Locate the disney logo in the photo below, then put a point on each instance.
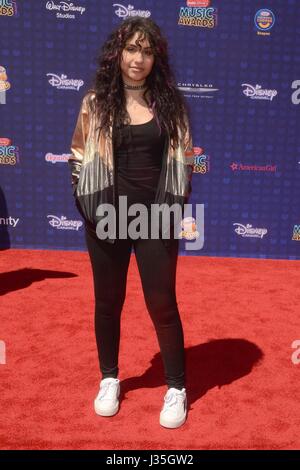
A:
(64, 6)
(258, 92)
(63, 223)
(64, 82)
(123, 12)
(249, 231)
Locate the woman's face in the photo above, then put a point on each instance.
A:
(136, 60)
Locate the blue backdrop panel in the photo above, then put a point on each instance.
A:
(238, 65)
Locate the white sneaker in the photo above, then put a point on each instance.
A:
(106, 402)
(173, 413)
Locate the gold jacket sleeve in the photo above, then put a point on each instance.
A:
(78, 141)
(188, 149)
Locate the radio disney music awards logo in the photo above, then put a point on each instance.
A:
(197, 90)
(62, 223)
(65, 10)
(53, 158)
(296, 233)
(4, 85)
(198, 13)
(264, 20)
(242, 167)
(9, 154)
(201, 161)
(248, 231)
(64, 83)
(296, 94)
(123, 12)
(258, 93)
(198, 3)
(8, 8)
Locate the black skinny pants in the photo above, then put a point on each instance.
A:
(157, 268)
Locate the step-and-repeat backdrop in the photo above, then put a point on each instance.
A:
(238, 65)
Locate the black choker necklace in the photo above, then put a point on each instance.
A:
(134, 87)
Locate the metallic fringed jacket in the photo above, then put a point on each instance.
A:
(93, 168)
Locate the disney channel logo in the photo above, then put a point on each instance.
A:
(249, 231)
(64, 83)
(258, 93)
(62, 223)
(123, 12)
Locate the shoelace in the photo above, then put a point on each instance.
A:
(107, 390)
(171, 399)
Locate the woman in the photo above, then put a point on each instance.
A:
(132, 140)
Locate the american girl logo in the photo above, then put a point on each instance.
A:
(8, 8)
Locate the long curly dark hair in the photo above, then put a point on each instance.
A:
(168, 104)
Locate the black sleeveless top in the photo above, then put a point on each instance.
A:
(138, 162)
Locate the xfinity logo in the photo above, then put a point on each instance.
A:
(258, 93)
(8, 221)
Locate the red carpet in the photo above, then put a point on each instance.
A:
(240, 318)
